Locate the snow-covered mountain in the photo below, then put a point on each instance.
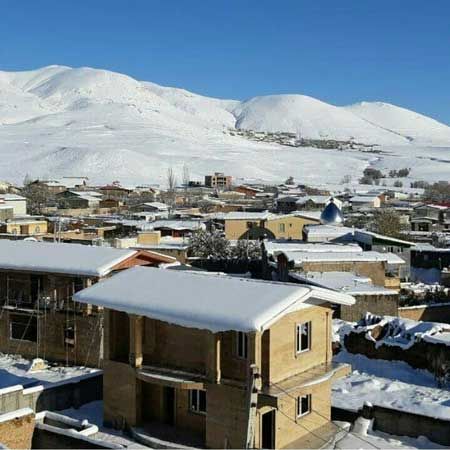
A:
(415, 127)
(63, 121)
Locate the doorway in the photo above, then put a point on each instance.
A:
(268, 430)
(169, 405)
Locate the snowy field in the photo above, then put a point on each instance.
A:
(393, 384)
(363, 437)
(58, 121)
(14, 371)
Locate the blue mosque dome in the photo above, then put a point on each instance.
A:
(331, 215)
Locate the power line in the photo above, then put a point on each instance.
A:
(321, 415)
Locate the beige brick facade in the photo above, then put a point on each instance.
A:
(138, 391)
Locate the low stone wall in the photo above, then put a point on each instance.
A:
(228, 265)
(427, 313)
(51, 439)
(72, 394)
(381, 305)
(16, 397)
(398, 422)
(421, 355)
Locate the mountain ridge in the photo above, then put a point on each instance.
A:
(106, 121)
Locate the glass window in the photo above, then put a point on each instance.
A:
(303, 405)
(303, 337)
(69, 337)
(197, 401)
(23, 328)
(242, 344)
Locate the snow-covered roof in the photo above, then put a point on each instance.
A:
(314, 215)
(360, 234)
(273, 247)
(72, 259)
(348, 282)
(243, 215)
(11, 197)
(87, 194)
(363, 198)
(53, 183)
(433, 206)
(318, 199)
(215, 303)
(327, 231)
(305, 257)
(178, 224)
(157, 205)
(73, 181)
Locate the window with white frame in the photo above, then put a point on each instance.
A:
(281, 227)
(197, 401)
(303, 337)
(241, 344)
(303, 405)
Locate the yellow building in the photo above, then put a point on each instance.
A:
(186, 362)
(24, 226)
(176, 247)
(252, 225)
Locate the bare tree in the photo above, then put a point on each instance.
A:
(171, 185)
(186, 179)
(387, 222)
(38, 197)
(171, 179)
(186, 176)
(206, 244)
(27, 180)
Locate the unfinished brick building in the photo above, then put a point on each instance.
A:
(216, 361)
(37, 281)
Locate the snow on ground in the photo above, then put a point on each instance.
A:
(93, 412)
(341, 328)
(14, 371)
(58, 121)
(398, 120)
(394, 384)
(363, 436)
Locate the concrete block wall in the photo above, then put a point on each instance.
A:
(16, 397)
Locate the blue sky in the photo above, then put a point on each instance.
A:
(338, 51)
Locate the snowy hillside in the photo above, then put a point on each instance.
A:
(59, 121)
(310, 118)
(415, 127)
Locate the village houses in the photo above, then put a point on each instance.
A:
(217, 361)
(37, 281)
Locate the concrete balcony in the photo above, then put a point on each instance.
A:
(270, 395)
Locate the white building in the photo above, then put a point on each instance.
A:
(17, 202)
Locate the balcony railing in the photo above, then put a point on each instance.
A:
(48, 303)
